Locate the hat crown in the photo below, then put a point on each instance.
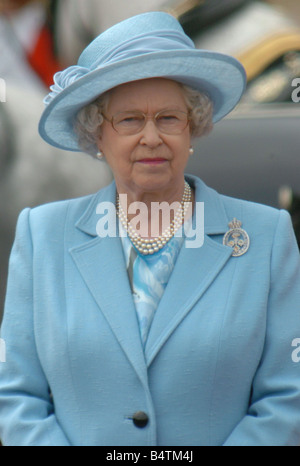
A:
(126, 32)
(145, 46)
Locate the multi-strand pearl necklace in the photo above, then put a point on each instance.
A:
(151, 245)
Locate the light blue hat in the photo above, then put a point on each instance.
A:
(145, 46)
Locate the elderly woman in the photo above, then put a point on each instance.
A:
(130, 331)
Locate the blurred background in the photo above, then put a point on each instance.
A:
(252, 154)
(291, 7)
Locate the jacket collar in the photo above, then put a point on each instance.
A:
(216, 221)
(88, 221)
(107, 280)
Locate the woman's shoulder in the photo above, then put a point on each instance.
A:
(53, 219)
(232, 204)
(257, 218)
(57, 210)
(249, 207)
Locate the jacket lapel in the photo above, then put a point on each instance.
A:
(108, 282)
(195, 271)
(102, 266)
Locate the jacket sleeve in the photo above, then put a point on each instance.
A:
(273, 417)
(27, 416)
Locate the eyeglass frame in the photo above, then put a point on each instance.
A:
(147, 117)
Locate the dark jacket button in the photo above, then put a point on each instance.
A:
(140, 419)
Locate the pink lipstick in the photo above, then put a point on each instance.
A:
(153, 161)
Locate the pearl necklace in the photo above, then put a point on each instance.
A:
(152, 245)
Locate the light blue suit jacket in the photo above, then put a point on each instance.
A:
(217, 367)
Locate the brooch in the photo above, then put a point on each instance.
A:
(236, 238)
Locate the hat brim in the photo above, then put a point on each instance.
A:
(220, 76)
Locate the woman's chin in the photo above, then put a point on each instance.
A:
(153, 181)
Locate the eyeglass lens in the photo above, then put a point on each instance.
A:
(167, 121)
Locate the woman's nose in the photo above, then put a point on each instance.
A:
(150, 134)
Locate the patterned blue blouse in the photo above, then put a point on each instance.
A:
(149, 276)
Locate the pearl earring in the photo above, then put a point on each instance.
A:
(191, 150)
(100, 155)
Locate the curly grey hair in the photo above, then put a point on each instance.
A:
(90, 118)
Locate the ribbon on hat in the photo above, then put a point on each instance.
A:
(63, 79)
(163, 41)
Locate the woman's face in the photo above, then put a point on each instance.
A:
(149, 161)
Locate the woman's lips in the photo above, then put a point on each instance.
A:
(153, 161)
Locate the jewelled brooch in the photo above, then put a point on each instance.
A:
(237, 238)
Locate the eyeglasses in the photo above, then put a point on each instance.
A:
(166, 121)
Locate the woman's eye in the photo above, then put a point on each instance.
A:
(130, 120)
(168, 118)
